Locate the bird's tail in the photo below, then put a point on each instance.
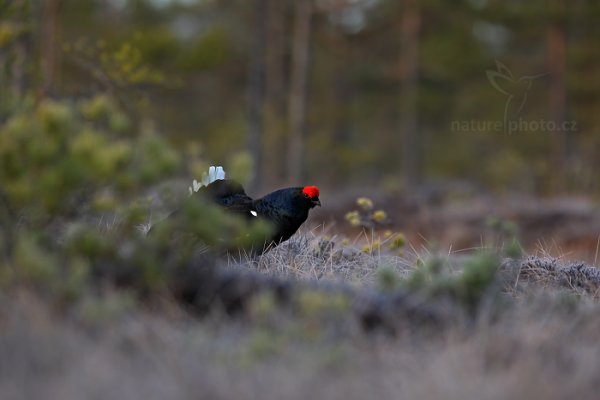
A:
(214, 174)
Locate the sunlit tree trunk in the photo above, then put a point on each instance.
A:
(299, 89)
(557, 53)
(256, 93)
(409, 69)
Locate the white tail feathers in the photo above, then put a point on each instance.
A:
(220, 173)
(214, 174)
(144, 228)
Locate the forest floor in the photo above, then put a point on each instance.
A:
(457, 218)
(538, 338)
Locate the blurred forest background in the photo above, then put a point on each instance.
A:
(344, 93)
(456, 146)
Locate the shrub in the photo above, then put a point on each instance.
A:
(64, 166)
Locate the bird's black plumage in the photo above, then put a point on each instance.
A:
(230, 195)
(285, 209)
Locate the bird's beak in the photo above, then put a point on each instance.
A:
(316, 202)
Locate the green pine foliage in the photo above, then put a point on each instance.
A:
(68, 167)
(476, 278)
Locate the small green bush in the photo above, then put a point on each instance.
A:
(64, 167)
(476, 278)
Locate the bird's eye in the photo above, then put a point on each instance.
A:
(306, 195)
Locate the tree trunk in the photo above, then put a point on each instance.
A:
(19, 66)
(409, 70)
(275, 113)
(557, 53)
(256, 90)
(14, 57)
(21, 50)
(343, 93)
(49, 40)
(299, 89)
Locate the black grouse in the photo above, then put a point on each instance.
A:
(285, 209)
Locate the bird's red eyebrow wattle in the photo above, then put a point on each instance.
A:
(311, 191)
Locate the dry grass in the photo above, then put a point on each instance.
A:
(309, 256)
(543, 345)
(553, 274)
